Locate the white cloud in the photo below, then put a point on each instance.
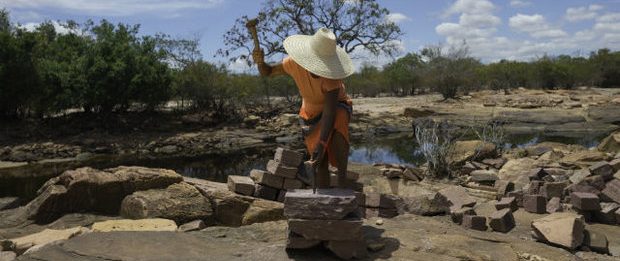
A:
(397, 17)
(60, 29)
(239, 66)
(519, 3)
(535, 25)
(575, 14)
(360, 55)
(470, 6)
(113, 7)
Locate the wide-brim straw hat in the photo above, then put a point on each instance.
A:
(319, 54)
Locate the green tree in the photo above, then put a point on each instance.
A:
(356, 24)
(403, 75)
(449, 72)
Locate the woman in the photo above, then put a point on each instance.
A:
(318, 66)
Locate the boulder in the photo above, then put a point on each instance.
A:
(470, 150)
(611, 143)
(151, 224)
(243, 185)
(322, 229)
(553, 189)
(561, 228)
(457, 196)
(7, 256)
(612, 190)
(47, 236)
(425, 205)
(192, 226)
(266, 178)
(516, 171)
(288, 157)
(502, 220)
(180, 202)
(554, 205)
(87, 189)
(262, 211)
(585, 201)
(331, 204)
(475, 222)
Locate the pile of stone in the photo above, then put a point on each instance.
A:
(328, 218)
(397, 171)
(462, 211)
(282, 174)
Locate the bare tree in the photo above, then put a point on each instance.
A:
(356, 24)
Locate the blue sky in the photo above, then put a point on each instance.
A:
(513, 29)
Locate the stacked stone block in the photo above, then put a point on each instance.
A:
(328, 218)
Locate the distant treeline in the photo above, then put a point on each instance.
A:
(104, 68)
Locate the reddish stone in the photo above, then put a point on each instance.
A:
(348, 229)
(279, 169)
(518, 195)
(603, 169)
(295, 241)
(380, 200)
(457, 215)
(457, 196)
(553, 189)
(535, 203)
(507, 202)
(607, 213)
(288, 157)
(475, 222)
(535, 187)
(503, 187)
(502, 220)
(266, 178)
(585, 201)
(536, 174)
(612, 190)
(348, 249)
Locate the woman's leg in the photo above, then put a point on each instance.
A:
(340, 148)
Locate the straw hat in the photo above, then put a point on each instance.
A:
(319, 54)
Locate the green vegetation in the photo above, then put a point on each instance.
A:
(103, 68)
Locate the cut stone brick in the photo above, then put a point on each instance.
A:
(607, 213)
(554, 205)
(266, 178)
(288, 157)
(564, 229)
(518, 195)
(458, 197)
(348, 229)
(615, 164)
(281, 195)
(536, 174)
(553, 189)
(535, 203)
(332, 204)
(279, 169)
(295, 241)
(243, 185)
(507, 202)
(579, 175)
(603, 169)
(292, 184)
(265, 192)
(595, 241)
(612, 190)
(348, 249)
(457, 215)
(535, 187)
(585, 201)
(502, 220)
(475, 222)
(484, 176)
(503, 187)
(379, 200)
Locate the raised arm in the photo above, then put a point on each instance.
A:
(264, 68)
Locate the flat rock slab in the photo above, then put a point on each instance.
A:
(561, 228)
(331, 204)
(21, 244)
(152, 224)
(350, 229)
(458, 197)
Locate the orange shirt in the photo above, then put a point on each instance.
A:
(312, 89)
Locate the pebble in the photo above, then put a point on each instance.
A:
(379, 222)
(375, 246)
